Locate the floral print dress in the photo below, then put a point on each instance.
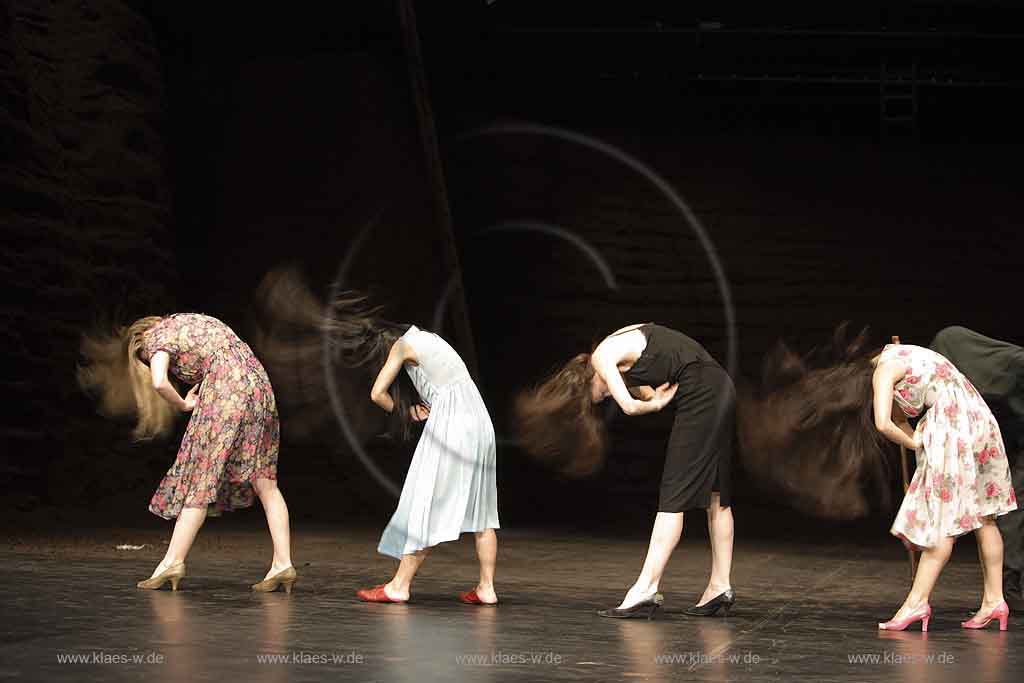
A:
(233, 435)
(962, 474)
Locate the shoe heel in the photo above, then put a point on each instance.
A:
(1003, 618)
(924, 624)
(287, 586)
(174, 582)
(724, 610)
(652, 611)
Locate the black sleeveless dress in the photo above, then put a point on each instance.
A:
(701, 445)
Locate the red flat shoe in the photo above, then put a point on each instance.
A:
(471, 598)
(375, 594)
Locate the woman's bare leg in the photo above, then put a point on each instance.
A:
(185, 529)
(668, 528)
(720, 533)
(928, 570)
(487, 553)
(398, 587)
(277, 521)
(990, 551)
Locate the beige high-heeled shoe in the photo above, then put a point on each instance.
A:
(174, 574)
(285, 577)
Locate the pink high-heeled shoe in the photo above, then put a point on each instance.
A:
(1000, 612)
(923, 614)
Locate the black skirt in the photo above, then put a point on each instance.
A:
(700, 448)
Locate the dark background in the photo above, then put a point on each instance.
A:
(848, 161)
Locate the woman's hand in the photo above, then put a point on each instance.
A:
(419, 412)
(661, 398)
(900, 432)
(192, 398)
(606, 359)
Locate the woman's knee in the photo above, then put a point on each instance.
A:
(988, 532)
(942, 549)
(264, 486)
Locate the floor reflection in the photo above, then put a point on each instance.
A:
(716, 639)
(216, 629)
(916, 656)
(277, 616)
(173, 629)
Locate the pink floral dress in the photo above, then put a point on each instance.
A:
(962, 475)
(233, 435)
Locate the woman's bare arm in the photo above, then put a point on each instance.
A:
(886, 376)
(606, 359)
(158, 365)
(642, 392)
(400, 353)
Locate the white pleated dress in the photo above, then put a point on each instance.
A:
(451, 487)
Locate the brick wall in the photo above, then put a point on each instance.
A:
(85, 226)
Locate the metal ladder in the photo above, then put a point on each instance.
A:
(897, 100)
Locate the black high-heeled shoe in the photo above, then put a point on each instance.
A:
(645, 607)
(721, 603)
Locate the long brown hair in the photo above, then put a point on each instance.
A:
(558, 422)
(115, 373)
(295, 327)
(360, 338)
(808, 428)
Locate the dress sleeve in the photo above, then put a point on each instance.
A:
(899, 352)
(160, 337)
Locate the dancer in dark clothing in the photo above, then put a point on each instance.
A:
(646, 368)
(996, 369)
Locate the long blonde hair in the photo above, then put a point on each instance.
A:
(115, 373)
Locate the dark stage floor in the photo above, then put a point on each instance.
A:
(804, 612)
